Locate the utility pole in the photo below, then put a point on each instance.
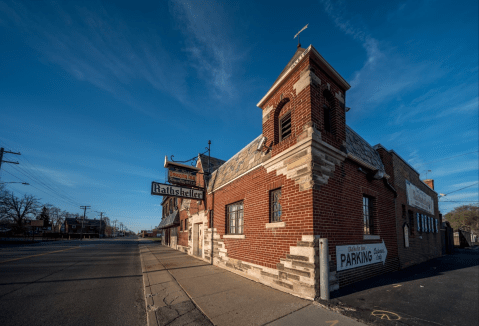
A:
(84, 213)
(2, 150)
(101, 216)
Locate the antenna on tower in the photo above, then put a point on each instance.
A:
(302, 29)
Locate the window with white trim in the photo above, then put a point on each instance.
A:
(275, 205)
(234, 218)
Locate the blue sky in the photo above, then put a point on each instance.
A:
(95, 94)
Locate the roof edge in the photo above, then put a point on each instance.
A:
(329, 69)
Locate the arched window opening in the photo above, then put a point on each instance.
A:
(282, 121)
(327, 118)
(285, 126)
(328, 110)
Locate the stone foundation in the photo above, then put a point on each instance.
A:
(297, 273)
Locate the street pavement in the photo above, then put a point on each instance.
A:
(183, 290)
(442, 291)
(88, 282)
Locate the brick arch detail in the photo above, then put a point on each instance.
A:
(276, 114)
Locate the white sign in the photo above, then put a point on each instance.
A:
(418, 198)
(353, 256)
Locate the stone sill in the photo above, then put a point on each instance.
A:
(275, 225)
(371, 237)
(234, 236)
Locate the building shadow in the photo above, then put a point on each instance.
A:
(462, 258)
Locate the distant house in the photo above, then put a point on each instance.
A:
(38, 226)
(90, 227)
(149, 233)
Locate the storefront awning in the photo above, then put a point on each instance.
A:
(171, 220)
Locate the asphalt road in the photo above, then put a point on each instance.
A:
(443, 291)
(91, 282)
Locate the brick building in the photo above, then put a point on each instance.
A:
(307, 176)
(418, 222)
(90, 227)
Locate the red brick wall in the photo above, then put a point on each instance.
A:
(338, 116)
(338, 216)
(305, 107)
(298, 104)
(264, 246)
(422, 245)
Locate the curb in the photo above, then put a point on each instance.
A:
(150, 315)
(152, 318)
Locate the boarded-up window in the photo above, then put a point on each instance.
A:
(285, 126)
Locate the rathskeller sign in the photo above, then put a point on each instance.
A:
(160, 189)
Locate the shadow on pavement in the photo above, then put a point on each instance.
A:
(462, 258)
(442, 291)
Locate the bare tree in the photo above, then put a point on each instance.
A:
(18, 209)
(57, 218)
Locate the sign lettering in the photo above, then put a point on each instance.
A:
(181, 176)
(160, 189)
(360, 255)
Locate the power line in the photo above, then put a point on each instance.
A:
(459, 201)
(461, 189)
(52, 192)
(44, 179)
(2, 151)
(47, 181)
(48, 193)
(47, 178)
(447, 158)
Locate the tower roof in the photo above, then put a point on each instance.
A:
(293, 59)
(298, 56)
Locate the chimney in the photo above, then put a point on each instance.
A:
(430, 183)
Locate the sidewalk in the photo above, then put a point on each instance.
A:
(182, 290)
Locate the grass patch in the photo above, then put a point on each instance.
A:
(154, 239)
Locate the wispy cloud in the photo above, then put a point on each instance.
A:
(209, 43)
(464, 184)
(385, 74)
(98, 47)
(450, 169)
(437, 103)
(67, 178)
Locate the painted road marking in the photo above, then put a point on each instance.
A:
(397, 285)
(334, 322)
(46, 253)
(383, 314)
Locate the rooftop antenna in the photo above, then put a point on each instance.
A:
(299, 44)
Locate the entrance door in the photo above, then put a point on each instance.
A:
(167, 237)
(198, 239)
